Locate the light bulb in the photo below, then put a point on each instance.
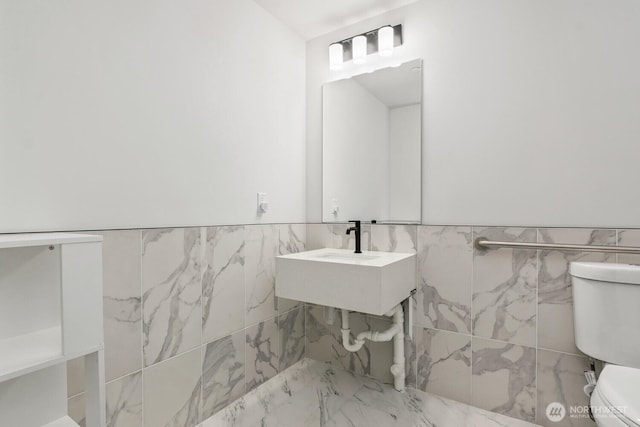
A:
(359, 49)
(385, 41)
(335, 56)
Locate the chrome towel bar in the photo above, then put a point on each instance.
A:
(483, 243)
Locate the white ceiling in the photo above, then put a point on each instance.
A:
(395, 86)
(312, 18)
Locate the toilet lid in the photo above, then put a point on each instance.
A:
(619, 386)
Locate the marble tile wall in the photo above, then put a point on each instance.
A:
(491, 328)
(191, 321)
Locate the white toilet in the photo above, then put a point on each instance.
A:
(606, 310)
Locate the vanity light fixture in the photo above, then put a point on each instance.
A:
(385, 41)
(382, 40)
(359, 49)
(336, 56)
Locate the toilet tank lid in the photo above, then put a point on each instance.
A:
(606, 272)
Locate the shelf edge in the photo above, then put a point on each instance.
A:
(65, 421)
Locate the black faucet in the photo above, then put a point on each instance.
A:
(356, 228)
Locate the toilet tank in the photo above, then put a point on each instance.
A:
(606, 311)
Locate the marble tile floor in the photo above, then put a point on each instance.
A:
(311, 393)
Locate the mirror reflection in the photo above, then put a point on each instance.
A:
(371, 136)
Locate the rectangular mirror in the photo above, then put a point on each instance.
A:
(372, 146)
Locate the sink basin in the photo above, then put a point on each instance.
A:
(370, 282)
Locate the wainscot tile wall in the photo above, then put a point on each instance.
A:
(492, 328)
(191, 321)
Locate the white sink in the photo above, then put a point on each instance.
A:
(349, 257)
(370, 282)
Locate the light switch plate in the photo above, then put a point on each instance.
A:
(263, 203)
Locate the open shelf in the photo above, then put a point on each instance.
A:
(44, 239)
(62, 422)
(29, 352)
(50, 312)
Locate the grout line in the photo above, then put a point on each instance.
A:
(137, 371)
(142, 411)
(471, 311)
(451, 332)
(141, 242)
(192, 349)
(550, 350)
(502, 342)
(201, 397)
(244, 307)
(203, 260)
(537, 328)
(142, 368)
(473, 280)
(276, 300)
(535, 397)
(471, 379)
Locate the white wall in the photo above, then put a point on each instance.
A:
(355, 156)
(530, 109)
(144, 113)
(404, 163)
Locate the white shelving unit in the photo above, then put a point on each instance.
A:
(50, 312)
